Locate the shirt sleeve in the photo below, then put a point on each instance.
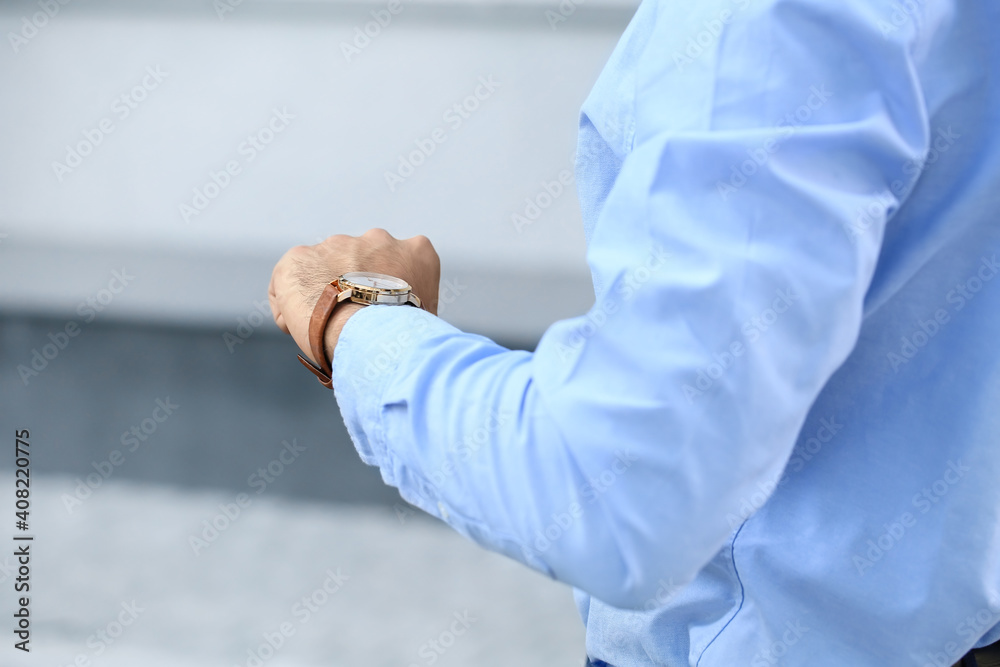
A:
(733, 252)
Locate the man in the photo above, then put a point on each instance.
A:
(774, 439)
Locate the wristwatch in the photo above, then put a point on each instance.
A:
(358, 287)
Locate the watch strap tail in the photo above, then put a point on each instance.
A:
(328, 300)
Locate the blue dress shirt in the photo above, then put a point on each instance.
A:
(775, 437)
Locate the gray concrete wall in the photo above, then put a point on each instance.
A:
(236, 409)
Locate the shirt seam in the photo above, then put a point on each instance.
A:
(736, 571)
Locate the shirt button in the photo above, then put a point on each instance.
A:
(443, 510)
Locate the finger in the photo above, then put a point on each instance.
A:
(272, 298)
(279, 319)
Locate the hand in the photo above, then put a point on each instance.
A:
(303, 272)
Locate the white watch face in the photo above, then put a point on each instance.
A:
(376, 281)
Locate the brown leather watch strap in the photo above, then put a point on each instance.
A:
(328, 300)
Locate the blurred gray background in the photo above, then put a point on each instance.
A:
(169, 308)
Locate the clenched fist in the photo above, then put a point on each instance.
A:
(303, 272)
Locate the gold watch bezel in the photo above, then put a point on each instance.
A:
(366, 295)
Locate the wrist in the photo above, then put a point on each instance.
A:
(336, 325)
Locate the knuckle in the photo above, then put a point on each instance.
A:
(378, 233)
(423, 242)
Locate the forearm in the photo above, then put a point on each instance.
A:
(608, 481)
(456, 423)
